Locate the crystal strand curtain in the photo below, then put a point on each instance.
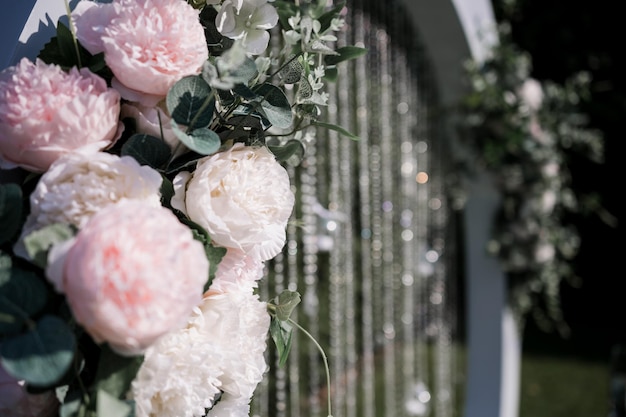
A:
(371, 247)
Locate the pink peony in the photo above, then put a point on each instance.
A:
(148, 44)
(133, 274)
(242, 197)
(46, 112)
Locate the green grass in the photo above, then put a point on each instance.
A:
(553, 386)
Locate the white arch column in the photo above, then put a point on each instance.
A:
(454, 31)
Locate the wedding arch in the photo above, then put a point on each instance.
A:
(374, 247)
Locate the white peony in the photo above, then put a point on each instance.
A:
(78, 185)
(237, 271)
(242, 197)
(221, 350)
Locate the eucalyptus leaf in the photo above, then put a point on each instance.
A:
(244, 72)
(109, 406)
(10, 211)
(285, 303)
(147, 150)
(244, 91)
(41, 356)
(275, 105)
(336, 128)
(190, 102)
(39, 242)
(22, 294)
(203, 141)
(281, 333)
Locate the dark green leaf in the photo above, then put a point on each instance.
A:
(116, 372)
(336, 128)
(39, 242)
(43, 355)
(147, 150)
(242, 90)
(203, 141)
(293, 149)
(214, 255)
(191, 102)
(285, 303)
(326, 19)
(281, 333)
(10, 211)
(22, 294)
(275, 105)
(285, 9)
(331, 74)
(167, 192)
(345, 53)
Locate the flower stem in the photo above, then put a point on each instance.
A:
(73, 30)
(310, 336)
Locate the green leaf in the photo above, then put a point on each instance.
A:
(116, 372)
(167, 192)
(61, 49)
(10, 211)
(214, 255)
(344, 54)
(109, 406)
(336, 128)
(293, 149)
(326, 19)
(39, 242)
(147, 150)
(281, 333)
(43, 355)
(203, 141)
(285, 303)
(190, 102)
(275, 105)
(331, 74)
(22, 294)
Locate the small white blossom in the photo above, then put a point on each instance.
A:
(248, 20)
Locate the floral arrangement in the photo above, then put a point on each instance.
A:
(525, 132)
(143, 190)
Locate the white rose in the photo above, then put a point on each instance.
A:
(77, 186)
(242, 197)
